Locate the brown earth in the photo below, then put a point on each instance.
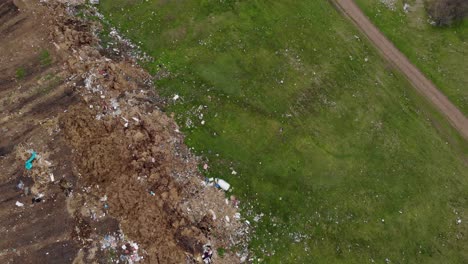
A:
(422, 84)
(110, 161)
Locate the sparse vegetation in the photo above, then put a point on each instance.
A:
(20, 73)
(221, 252)
(337, 159)
(45, 58)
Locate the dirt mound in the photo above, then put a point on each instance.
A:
(110, 161)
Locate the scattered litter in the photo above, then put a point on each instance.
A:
(114, 104)
(28, 164)
(137, 105)
(459, 221)
(207, 254)
(109, 242)
(51, 175)
(234, 201)
(212, 214)
(234, 172)
(20, 185)
(19, 204)
(126, 121)
(218, 183)
(237, 216)
(38, 198)
(128, 249)
(406, 7)
(390, 4)
(258, 217)
(222, 184)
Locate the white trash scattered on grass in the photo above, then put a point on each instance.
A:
(222, 184)
(19, 204)
(406, 7)
(237, 216)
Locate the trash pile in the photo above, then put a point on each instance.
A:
(127, 251)
(390, 4)
(37, 167)
(132, 161)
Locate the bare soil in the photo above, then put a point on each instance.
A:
(420, 82)
(110, 161)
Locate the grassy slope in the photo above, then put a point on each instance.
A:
(357, 144)
(441, 53)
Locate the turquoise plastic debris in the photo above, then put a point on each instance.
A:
(28, 164)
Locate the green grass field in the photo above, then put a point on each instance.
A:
(346, 163)
(440, 53)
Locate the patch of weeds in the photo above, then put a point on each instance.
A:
(221, 252)
(45, 58)
(20, 73)
(53, 81)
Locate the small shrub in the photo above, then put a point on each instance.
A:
(221, 252)
(447, 12)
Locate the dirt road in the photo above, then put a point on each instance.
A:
(393, 55)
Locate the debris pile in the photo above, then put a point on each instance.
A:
(129, 153)
(40, 169)
(127, 251)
